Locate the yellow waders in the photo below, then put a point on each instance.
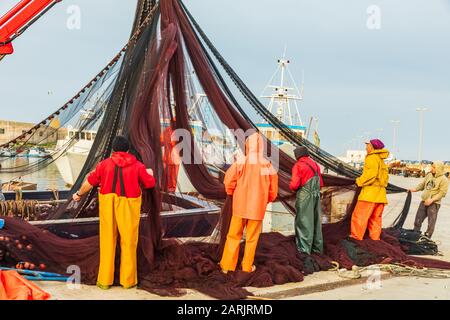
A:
(118, 213)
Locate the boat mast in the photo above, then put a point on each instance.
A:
(284, 98)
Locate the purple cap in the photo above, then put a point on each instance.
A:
(377, 144)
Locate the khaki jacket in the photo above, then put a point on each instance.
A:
(434, 186)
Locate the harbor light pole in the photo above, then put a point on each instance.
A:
(421, 129)
(395, 123)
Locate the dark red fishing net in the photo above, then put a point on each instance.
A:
(153, 75)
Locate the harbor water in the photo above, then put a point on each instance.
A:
(48, 177)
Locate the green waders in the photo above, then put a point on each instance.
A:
(308, 226)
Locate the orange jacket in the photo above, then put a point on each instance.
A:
(252, 181)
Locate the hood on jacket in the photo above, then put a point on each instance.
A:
(254, 151)
(254, 144)
(440, 168)
(382, 153)
(123, 159)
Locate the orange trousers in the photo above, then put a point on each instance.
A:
(367, 215)
(172, 177)
(231, 251)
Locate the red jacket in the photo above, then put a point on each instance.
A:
(302, 173)
(134, 174)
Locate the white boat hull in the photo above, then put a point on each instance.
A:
(71, 163)
(70, 166)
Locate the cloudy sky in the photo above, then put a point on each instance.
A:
(357, 77)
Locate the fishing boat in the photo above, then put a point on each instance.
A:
(7, 153)
(74, 149)
(38, 152)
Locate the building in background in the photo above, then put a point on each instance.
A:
(12, 129)
(354, 157)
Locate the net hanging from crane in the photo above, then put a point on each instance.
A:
(168, 81)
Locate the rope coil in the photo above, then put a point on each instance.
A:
(24, 209)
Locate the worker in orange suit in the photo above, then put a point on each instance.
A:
(372, 199)
(253, 183)
(120, 178)
(171, 160)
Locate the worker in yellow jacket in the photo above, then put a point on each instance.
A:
(372, 199)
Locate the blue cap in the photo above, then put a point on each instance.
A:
(2, 223)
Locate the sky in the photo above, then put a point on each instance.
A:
(362, 68)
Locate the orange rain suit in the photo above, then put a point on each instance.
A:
(253, 182)
(171, 160)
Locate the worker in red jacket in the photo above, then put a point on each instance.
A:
(120, 178)
(307, 181)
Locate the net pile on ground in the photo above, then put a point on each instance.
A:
(153, 91)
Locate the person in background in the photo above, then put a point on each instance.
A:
(171, 160)
(253, 182)
(119, 178)
(435, 188)
(307, 181)
(372, 199)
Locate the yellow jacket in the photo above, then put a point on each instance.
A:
(375, 177)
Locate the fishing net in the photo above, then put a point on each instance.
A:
(57, 133)
(169, 85)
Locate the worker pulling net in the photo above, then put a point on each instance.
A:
(168, 86)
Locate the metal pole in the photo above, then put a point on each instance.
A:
(317, 124)
(395, 124)
(421, 129)
(308, 130)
